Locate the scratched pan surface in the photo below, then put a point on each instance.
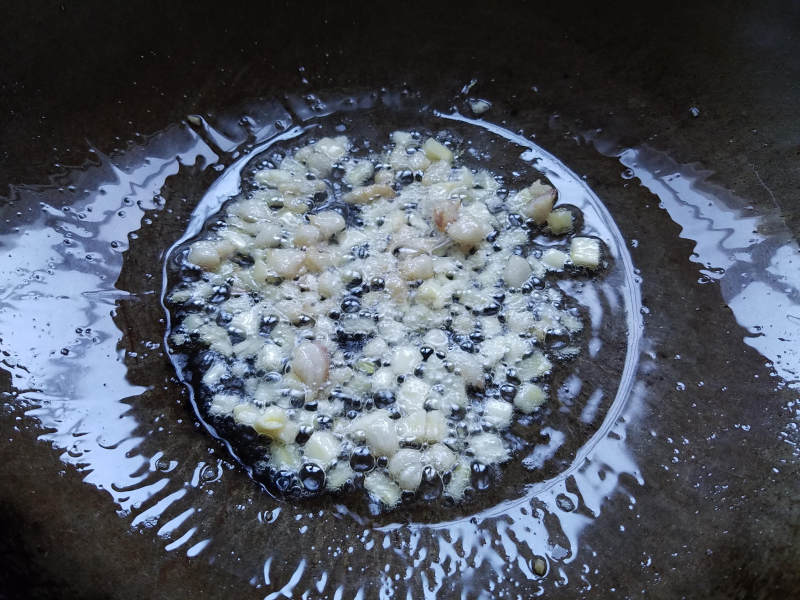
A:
(678, 128)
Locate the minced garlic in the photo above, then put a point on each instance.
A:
(382, 331)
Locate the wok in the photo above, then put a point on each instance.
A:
(682, 119)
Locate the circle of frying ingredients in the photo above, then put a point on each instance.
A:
(383, 332)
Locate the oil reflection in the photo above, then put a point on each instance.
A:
(753, 257)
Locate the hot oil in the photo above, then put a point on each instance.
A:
(89, 366)
(565, 415)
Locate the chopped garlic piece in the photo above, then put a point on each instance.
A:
(517, 271)
(585, 252)
(358, 172)
(417, 267)
(204, 255)
(379, 431)
(437, 151)
(479, 106)
(535, 201)
(382, 488)
(246, 414)
(369, 193)
(271, 421)
(310, 362)
(435, 426)
(322, 447)
(411, 428)
(285, 262)
(560, 221)
(338, 476)
(214, 373)
(459, 481)
(488, 448)
(440, 457)
(224, 403)
(530, 398)
(554, 259)
(319, 158)
(498, 413)
(328, 222)
(467, 232)
(412, 394)
(405, 359)
(405, 467)
(306, 235)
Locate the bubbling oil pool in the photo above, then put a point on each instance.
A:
(536, 523)
(283, 306)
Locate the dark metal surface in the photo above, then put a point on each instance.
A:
(721, 524)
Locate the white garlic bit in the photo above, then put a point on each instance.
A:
(369, 193)
(328, 222)
(479, 106)
(440, 457)
(322, 447)
(530, 398)
(271, 421)
(435, 150)
(517, 271)
(379, 431)
(382, 488)
(285, 262)
(310, 362)
(498, 413)
(405, 467)
(489, 448)
(560, 221)
(554, 259)
(467, 232)
(585, 252)
(204, 254)
(536, 201)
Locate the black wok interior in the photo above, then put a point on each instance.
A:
(103, 74)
